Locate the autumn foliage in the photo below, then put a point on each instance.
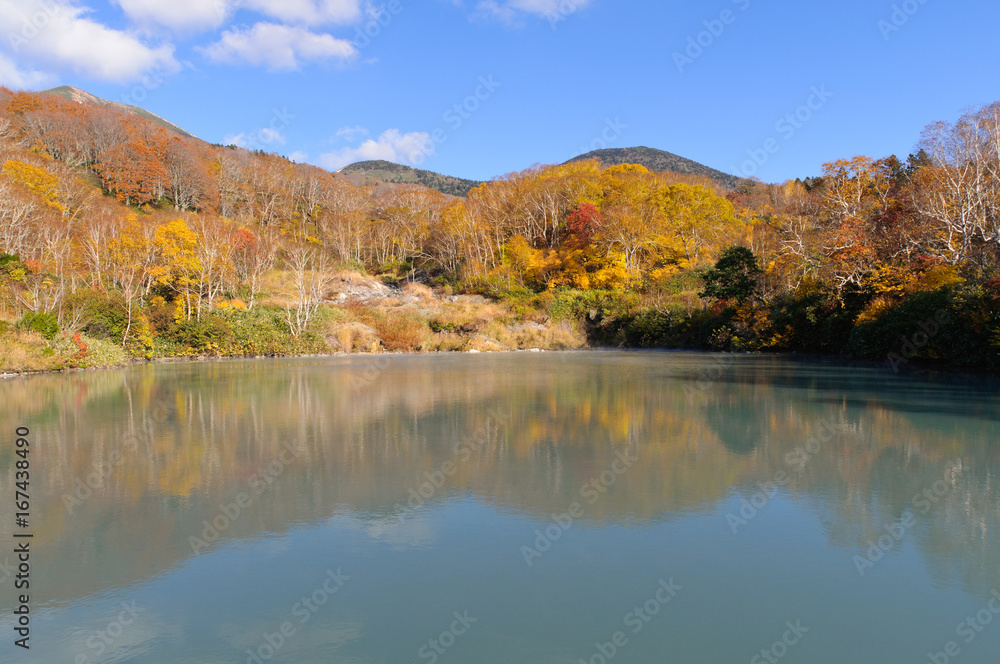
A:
(99, 199)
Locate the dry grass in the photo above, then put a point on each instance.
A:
(353, 277)
(484, 344)
(404, 333)
(456, 327)
(400, 330)
(561, 336)
(449, 342)
(26, 351)
(468, 318)
(353, 337)
(420, 291)
(22, 351)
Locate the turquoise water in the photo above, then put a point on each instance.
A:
(530, 508)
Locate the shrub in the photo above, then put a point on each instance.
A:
(9, 262)
(161, 315)
(399, 330)
(209, 336)
(102, 353)
(592, 304)
(813, 320)
(353, 338)
(403, 332)
(958, 326)
(650, 329)
(261, 331)
(83, 352)
(103, 316)
(886, 333)
(46, 324)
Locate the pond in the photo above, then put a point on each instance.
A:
(529, 508)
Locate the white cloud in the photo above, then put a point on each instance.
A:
(307, 12)
(547, 7)
(198, 14)
(510, 11)
(56, 36)
(12, 77)
(239, 140)
(271, 136)
(491, 10)
(277, 47)
(352, 133)
(392, 145)
(255, 140)
(299, 157)
(180, 15)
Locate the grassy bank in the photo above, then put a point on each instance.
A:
(956, 325)
(408, 319)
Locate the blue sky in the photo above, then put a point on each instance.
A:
(478, 88)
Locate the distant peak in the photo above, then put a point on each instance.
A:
(657, 160)
(75, 94)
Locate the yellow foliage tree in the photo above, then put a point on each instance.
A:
(700, 223)
(127, 255)
(37, 180)
(179, 266)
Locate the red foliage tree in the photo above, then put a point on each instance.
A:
(581, 225)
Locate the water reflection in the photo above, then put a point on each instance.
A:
(135, 470)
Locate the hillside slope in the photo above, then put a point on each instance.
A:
(387, 171)
(658, 160)
(83, 97)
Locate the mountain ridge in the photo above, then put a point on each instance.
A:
(79, 96)
(393, 173)
(658, 160)
(364, 172)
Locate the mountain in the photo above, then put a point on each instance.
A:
(657, 160)
(369, 172)
(83, 97)
(386, 171)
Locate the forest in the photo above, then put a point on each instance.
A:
(120, 241)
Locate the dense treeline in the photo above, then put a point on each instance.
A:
(112, 226)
